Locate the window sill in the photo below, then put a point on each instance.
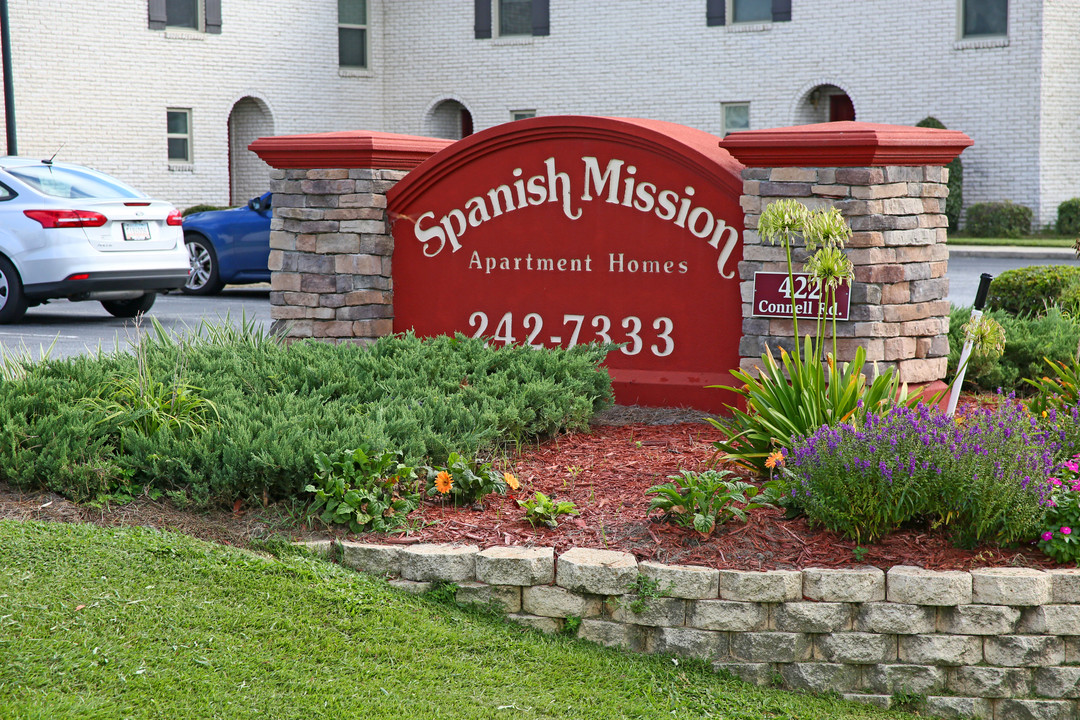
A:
(749, 27)
(352, 72)
(184, 35)
(514, 40)
(182, 167)
(996, 41)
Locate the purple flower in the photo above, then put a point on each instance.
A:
(1048, 535)
(1066, 530)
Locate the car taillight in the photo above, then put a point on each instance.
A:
(67, 218)
(175, 218)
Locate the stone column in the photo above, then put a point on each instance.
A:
(330, 243)
(330, 253)
(889, 183)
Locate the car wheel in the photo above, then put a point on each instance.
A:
(204, 278)
(12, 300)
(129, 308)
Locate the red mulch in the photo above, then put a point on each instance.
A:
(606, 472)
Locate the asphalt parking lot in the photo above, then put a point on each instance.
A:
(62, 328)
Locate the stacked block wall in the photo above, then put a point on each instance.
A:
(997, 643)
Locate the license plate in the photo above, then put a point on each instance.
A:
(136, 230)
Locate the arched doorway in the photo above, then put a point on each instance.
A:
(249, 176)
(449, 119)
(824, 103)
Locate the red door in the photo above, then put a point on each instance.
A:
(840, 108)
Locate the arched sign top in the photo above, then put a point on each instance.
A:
(559, 231)
(699, 151)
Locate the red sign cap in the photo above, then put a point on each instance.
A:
(846, 144)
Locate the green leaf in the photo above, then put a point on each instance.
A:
(704, 524)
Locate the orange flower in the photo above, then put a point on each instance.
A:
(512, 481)
(774, 459)
(443, 482)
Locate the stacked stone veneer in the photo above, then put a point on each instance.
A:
(899, 312)
(997, 643)
(330, 253)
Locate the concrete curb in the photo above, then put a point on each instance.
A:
(1013, 251)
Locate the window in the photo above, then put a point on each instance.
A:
(183, 14)
(515, 17)
(179, 135)
(983, 18)
(511, 18)
(192, 15)
(352, 33)
(755, 11)
(516, 115)
(724, 12)
(736, 117)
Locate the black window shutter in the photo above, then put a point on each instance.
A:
(540, 23)
(158, 17)
(483, 18)
(715, 10)
(781, 10)
(213, 16)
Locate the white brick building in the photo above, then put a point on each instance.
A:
(1002, 71)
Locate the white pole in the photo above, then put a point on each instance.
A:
(954, 396)
(976, 313)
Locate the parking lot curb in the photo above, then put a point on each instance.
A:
(1013, 251)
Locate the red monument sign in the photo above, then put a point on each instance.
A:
(558, 231)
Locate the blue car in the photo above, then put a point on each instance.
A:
(228, 246)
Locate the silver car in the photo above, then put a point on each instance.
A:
(67, 231)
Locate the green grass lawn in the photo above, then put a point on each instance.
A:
(134, 623)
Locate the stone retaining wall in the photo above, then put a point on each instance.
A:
(998, 643)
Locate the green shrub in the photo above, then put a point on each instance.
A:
(983, 479)
(998, 219)
(277, 406)
(1060, 391)
(1068, 217)
(954, 204)
(546, 510)
(1062, 430)
(1030, 290)
(704, 500)
(465, 481)
(1060, 536)
(363, 491)
(201, 208)
(1028, 340)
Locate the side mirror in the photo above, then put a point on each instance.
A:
(255, 204)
